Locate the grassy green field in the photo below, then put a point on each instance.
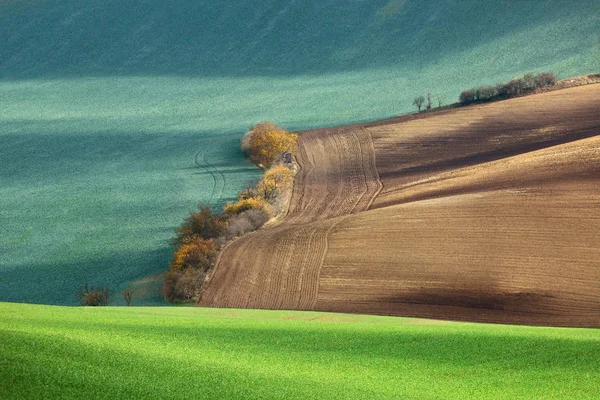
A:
(51, 352)
(117, 117)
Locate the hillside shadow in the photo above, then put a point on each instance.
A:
(57, 283)
(216, 39)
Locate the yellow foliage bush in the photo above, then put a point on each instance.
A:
(194, 253)
(268, 141)
(275, 181)
(281, 175)
(244, 205)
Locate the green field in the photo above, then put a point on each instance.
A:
(117, 117)
(51, 352)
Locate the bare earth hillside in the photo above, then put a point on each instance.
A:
(485, 213)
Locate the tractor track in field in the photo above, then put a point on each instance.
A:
(279, 266)
(202, 162)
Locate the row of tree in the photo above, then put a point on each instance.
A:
(419, 101)
(100, 295)
(202, 234)
(515, 87)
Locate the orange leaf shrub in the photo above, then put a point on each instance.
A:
(195, 253)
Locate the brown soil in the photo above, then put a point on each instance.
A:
(487, 213)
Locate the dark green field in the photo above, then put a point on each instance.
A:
(184, 353)
(117, 117)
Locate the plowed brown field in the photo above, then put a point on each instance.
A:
(485, 213)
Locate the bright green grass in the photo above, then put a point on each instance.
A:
(56, 352)
(105, 104)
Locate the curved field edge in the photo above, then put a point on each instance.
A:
(153, 353)
(474, 216)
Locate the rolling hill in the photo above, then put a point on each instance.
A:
(486, 213)
(117, 117)
(182, 353)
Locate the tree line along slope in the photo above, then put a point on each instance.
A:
(487, 213)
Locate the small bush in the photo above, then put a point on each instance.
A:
(486, 93)
(545, 79)
(247, 221)
(127, 295)
(468, 96)
(183, 286)
(243, 205)
(90, 296)
(275, 181)
(529, 82)
(502, 90)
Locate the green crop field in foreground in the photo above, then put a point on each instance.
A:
(118, 116)
(189, 353)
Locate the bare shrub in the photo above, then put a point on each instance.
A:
(468, 96)
(439, 99)
(544, 79)
(189, 284)
(94, 296)
(245, 143)
(169, 284)
(248, 221)
(486, 93)
(502, 90)
(127, 295)
(515, 87)
(183, 285)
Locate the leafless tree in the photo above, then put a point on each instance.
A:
(439, 99)
(128, 295)
(418, 101)
(94, 296)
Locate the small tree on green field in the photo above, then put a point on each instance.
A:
(94, 296)
(418, 101)
(128, 295)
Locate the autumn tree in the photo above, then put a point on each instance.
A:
(203, 224)
(267, 141)
(418, 101)
(196, 253)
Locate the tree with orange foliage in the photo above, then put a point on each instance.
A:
(196, 253)
(267, 141)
